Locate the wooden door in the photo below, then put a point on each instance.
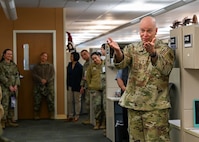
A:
(38, 42)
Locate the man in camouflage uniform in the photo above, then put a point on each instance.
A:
(9, 80)
(43, 77)
(84, 86)
(146, 95)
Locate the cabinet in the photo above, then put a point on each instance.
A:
(112, 118)
(187, 60)
(113, 110)
(190, 47)
(111, 115)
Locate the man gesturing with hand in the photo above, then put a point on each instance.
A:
(146, 96)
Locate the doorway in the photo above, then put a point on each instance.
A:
(37, 41)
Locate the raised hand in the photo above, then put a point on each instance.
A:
(113, 44)
(150, 46)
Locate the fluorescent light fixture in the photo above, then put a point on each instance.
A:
(9, 9)
(138, 6)
(188, 0)
(135, 21)
(158, 12)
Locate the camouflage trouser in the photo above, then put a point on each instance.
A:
(1, 112)
(104, 105)
(97, 104)
(8, 111)
(46, 92)
(148, 126)
(87, 100)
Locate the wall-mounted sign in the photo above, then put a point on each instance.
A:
(187, 41)
(173, 42)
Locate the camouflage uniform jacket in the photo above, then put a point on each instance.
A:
(83, 81)
(147, 87)
(43, 71)
(9, 75)
(95, 76)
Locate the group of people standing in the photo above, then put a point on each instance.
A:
(43, 77)
(88, 80)
(145, 86)
(145, 95)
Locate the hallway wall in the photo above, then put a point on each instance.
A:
(39, 19)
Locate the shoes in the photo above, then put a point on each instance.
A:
(3, 139)
(76, 119)
(103, 125)
(104, 132)
(36, 115)
(12, 124)
(97, 126)
(68, 119)
(86, 122)
(52, 115)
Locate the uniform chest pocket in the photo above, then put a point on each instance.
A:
(140, 64)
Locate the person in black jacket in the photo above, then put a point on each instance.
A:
(74, 76)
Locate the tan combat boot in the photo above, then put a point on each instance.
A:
(3, 139)
(36, 115)
(97, 125)
(103, 125)
(52, 115)
(12, 124)
(86, 122)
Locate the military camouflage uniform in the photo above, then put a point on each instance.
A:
(1, 112)
(43, 71)
(85, 85)
(9, 77)
(2, 139)
(146, 95)
(96, 83)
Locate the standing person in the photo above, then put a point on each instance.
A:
(84, 86)
(121, 78)
(96, 83)
(43, 76)
(10, 81)
(2, 139)
(146, 95)
(74, 76)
